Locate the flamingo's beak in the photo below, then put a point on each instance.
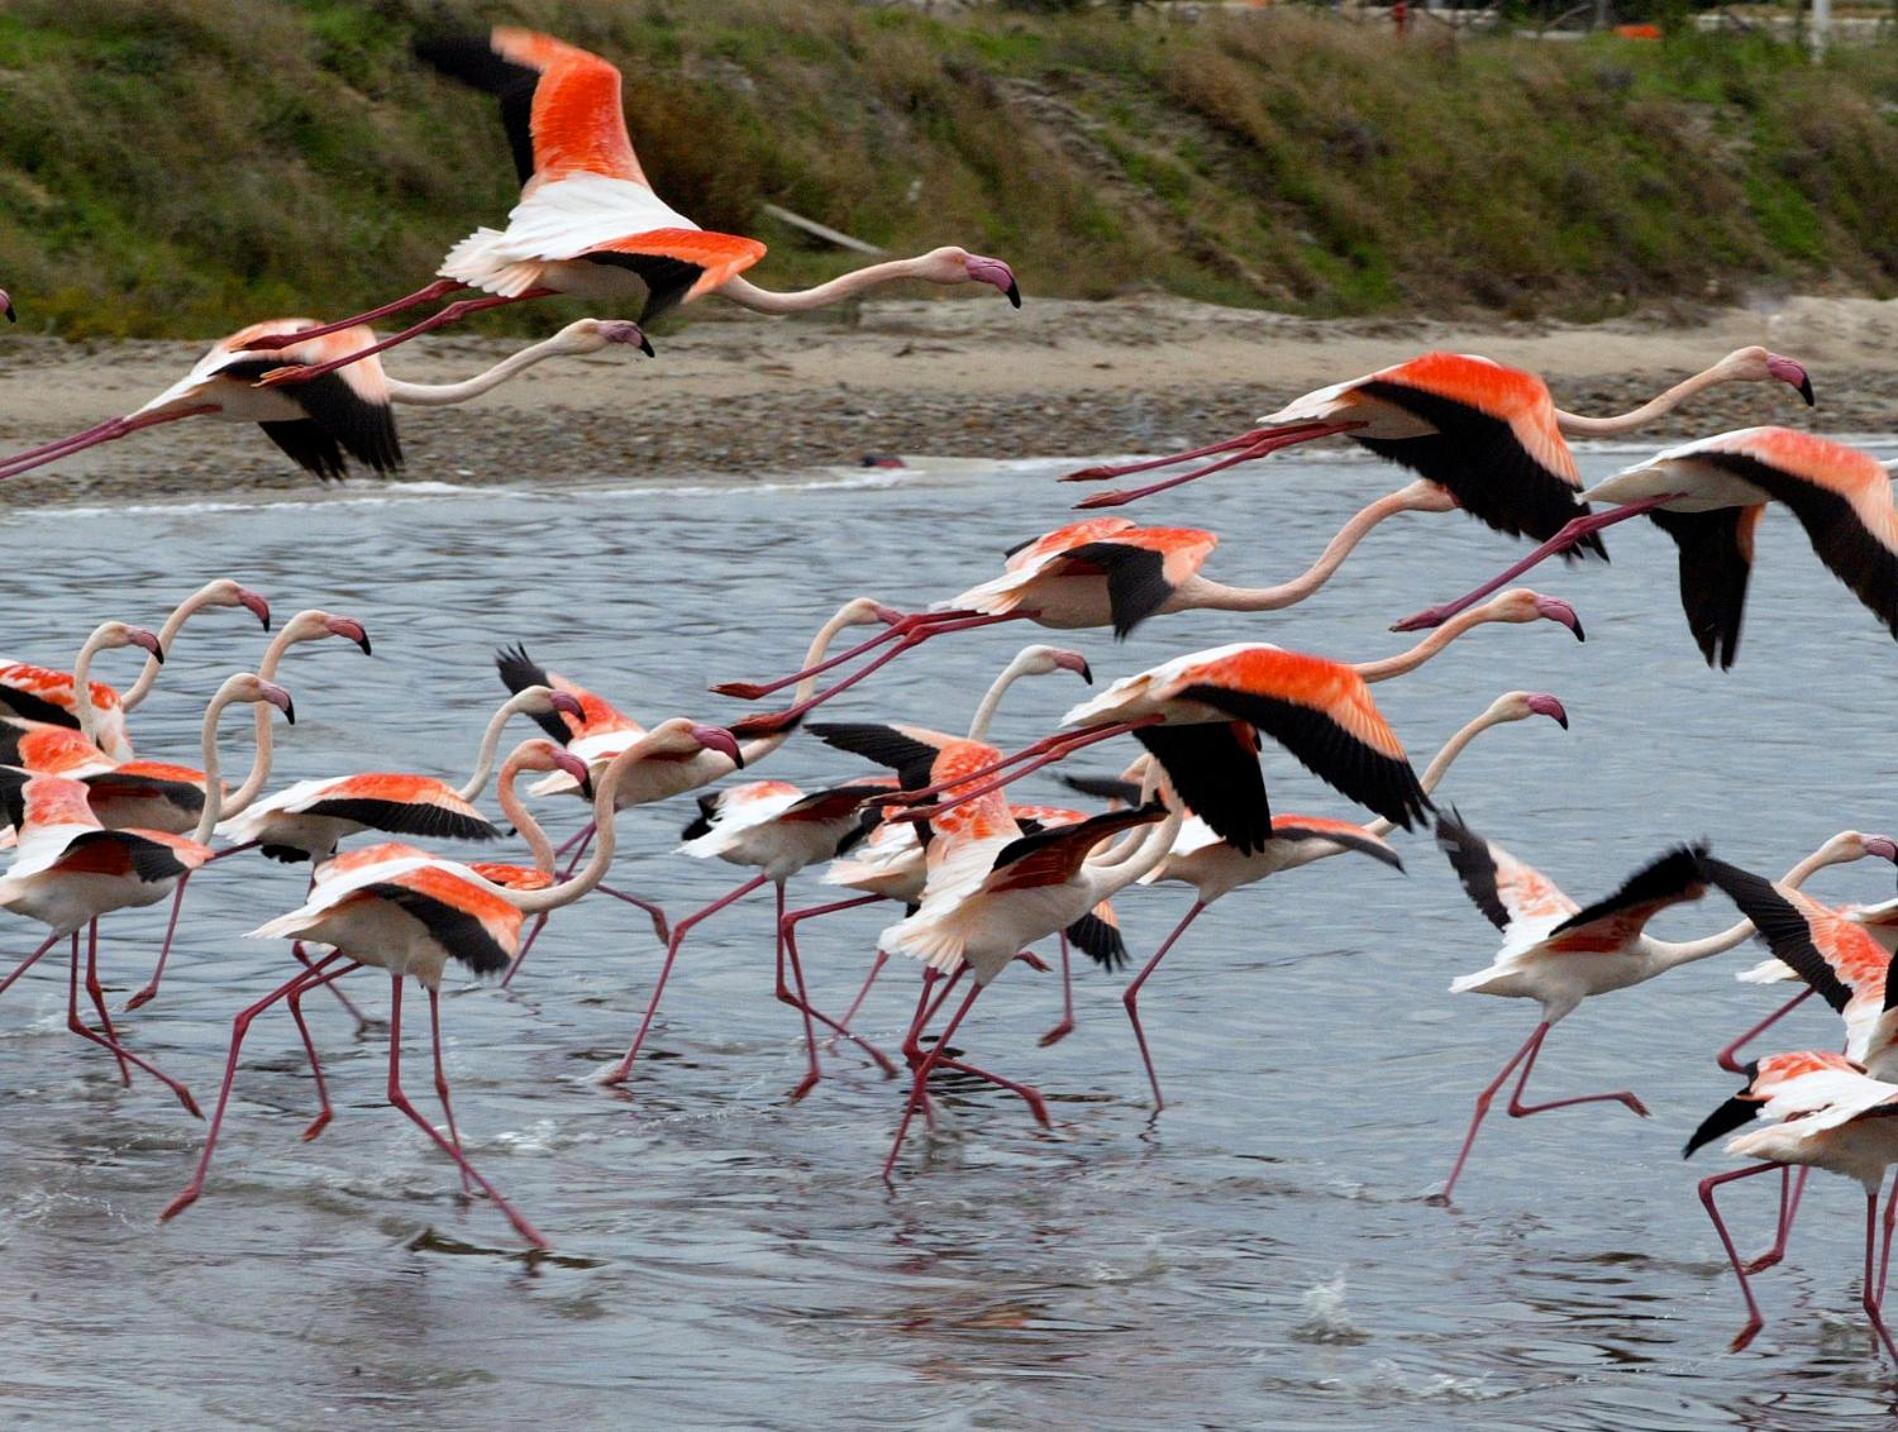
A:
(1557, 610)
(1788, 371)
(578, 769)
(1075, 662)
(350, 630)
(717, 738)
(6, 307)
(255, 605)
(995, 272)
(1882, 846)
(139, 637)
(624, 330)
(279, 698)
(1542, 704)
(567, 705)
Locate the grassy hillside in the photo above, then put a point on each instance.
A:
(176, 167)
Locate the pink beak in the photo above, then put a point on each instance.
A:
(624, 330)
(995, 272)
(1075, 662)
(255, 605)
(1787, 371)
(568, 705)
(1883, 846)
(139, 637)
(1557, 610)
(280, 699)
(1542, 704)
(577, 768)
(717, 738)
(350, 630)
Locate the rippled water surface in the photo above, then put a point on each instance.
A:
(1258, 1254)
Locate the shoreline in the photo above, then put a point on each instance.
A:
(736, 399)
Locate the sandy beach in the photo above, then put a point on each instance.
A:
(734, 397)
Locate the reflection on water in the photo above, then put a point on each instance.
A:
(1260, 1254)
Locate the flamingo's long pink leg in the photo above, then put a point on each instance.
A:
(363, 1021)
(110, 1042)
(28, 963)
(92, 437)
(801, 1001)
(240, 1027)
(1891, 1219)
(1754, 1322)
(585, 841)
(294, 998)
(145, 995)
(1045, 752)
(441, 1077)
(96, 994)
(1792, 1187)
(1131, 998)
(1576, 529)
(1105, 471)
(921, 1082)
(787, 949)
(656, 913)
(441, 288)
(619, 1073)
(902, 626)
(1520, 1110)
(453, 1150)
(1728, 1057)
(1873, 1297)
(1265, 446)
(1066, 1027)
(810, 912)
(520, 956)
(876, 968)
(453, 313)
(1483, 1100)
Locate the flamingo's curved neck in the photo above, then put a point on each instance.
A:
(82, 707)
(992, 698)
(763, 300)
(1439, 638)
(515, 809)
(240, 799)
(760, 747)
(491, 743)
(1574, 425)
(213, 810)
(148, 674)
(1666, 954)
(441, 395)
(1419, 496)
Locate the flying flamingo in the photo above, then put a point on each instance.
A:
(39, 693)
(1559, 954)
(1489, 435)
(1824, 1111)
(1214, 868)
(1709, 497)
(316, 425)
(993, 891)
(889, 864)
(411, 914)
(306, 626)
(588, 223)
(69, 870)
(605, 732)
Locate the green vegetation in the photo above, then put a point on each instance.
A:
(179, 167)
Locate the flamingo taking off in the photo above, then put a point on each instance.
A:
(1709, 497)
(588, 223)
(1489, 435)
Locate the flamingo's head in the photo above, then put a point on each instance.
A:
(866, 611)
(545, 701)
(248, 686)
(115, 634)
(1849, 845)
(1522, 605)
(541, 755)
(226, 593)
(314, 625)
(590, 335)
(1045, 660)
(6, 307)
(951, 265)
(1521, 705)
(717, 738)
(1758, 365)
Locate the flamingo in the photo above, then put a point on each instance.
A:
(1826, 1112)
(69, 869)
(306, 626)
(6, 307)
(410, 915)
(889, 863)
(1709, 497)
(1559, 954)
(589, 224)
(39, 693)
(306, 820)
(1489, 435)
(1213, 867)
(993, 891)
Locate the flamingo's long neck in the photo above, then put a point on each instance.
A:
(491, 743)
(441, 395)
(1440, 763)
(240, 799)
(148, 674)
(760, 747)
(1141, 849)
(522, 819)
(1666, 954)
(1419, 496)
(1439, 638)
(1576, 426)
(82, 708)
(213, 810)
(992, 698)
(803, 300)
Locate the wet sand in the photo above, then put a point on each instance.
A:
(735, 396)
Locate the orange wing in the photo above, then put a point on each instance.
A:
(577, 121)
(1507, 394)
(1332, 689)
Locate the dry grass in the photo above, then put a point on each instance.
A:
(180, 166)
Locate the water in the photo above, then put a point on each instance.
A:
(1259, 1255)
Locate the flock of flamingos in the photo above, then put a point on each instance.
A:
(980, 880)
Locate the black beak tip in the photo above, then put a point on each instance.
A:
(1580, 635)
(1087, 673)
(265, 620)
(12, 317)
(290, 714)
(1805, 389)
(364, 644)
(1014, 293)
(586, 788)
(1562, 721)
(159, 656)
(645, 346)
